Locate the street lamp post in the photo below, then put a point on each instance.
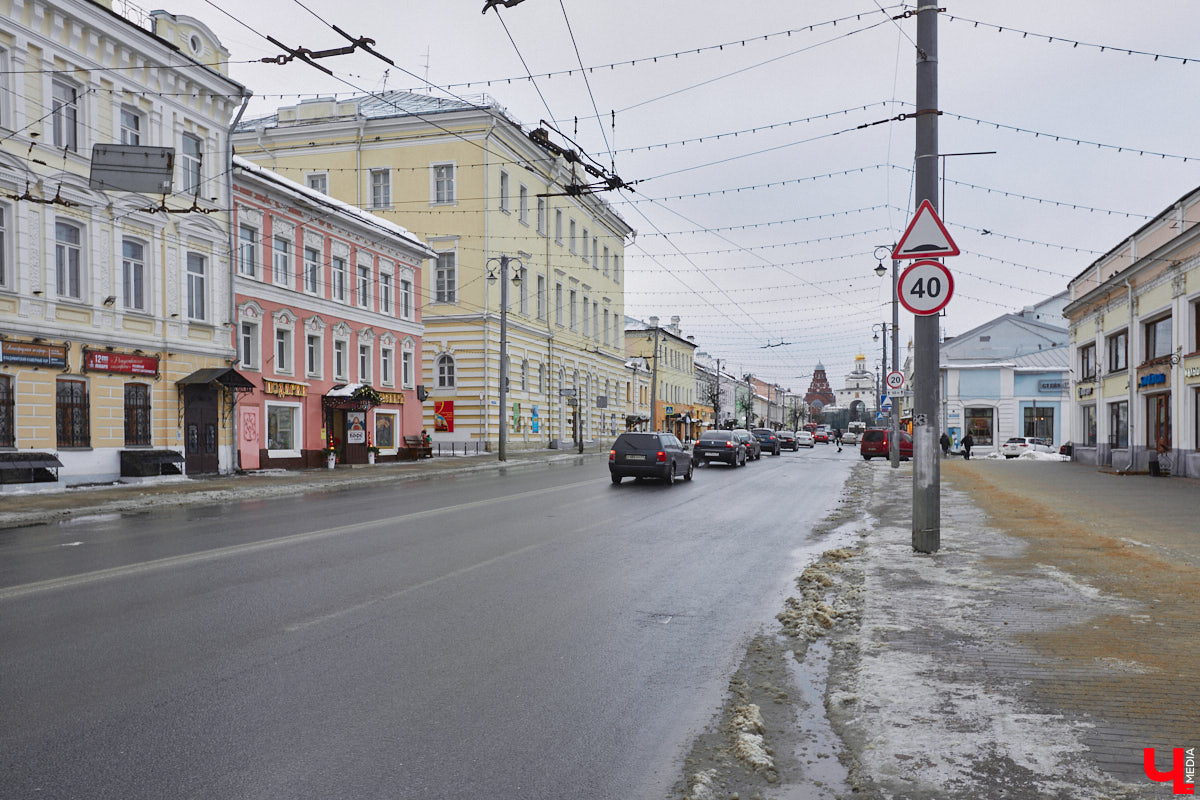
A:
(894, 415)
(504, 262)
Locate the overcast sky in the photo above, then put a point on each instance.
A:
(1051, 205)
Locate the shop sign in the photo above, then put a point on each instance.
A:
(356, 427)
(395, 398)
(1153, 379)
(1191, 372)
(1049, 386)
(34, 355)
(285, 389)
(120, 362)
(1086, 391)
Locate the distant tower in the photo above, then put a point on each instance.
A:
(819, 394)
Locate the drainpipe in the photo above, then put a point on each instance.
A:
(1129, 371)
(487, 253)
(233, 428)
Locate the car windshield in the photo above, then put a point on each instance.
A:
(715, 437)
(1017, 440)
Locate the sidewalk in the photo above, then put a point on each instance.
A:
(1049, 641)
(42, 506)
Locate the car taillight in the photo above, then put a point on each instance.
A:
(612, 455)
(729, 444)
(662, 457)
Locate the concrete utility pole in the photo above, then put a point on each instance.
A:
(654, 381)
(927, 478)
(894, 422)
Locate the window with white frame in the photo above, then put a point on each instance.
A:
(283, 429)
(1087, 362)
(364, 363)
(523, 290)
(341, 359)
(5, 217)
(381, 188)
(406, 298)
(191, 157)
(248, 344)
(318, 181)
(558, 304)
(445, 277)
(605, 328)
(407, 360)
(385, 293)
(504, 206)
(558, 229)
(541, 297)
(616, 268)
(338, 277)
(595, 320)
(586, 316)
(571, 311)
(571, 236)
(1158, 338)
(595, 253)
(5, 113)
(283, 349)
(525, 375)
(585, 245)
(133, 275)
(281, 262)
(1118, 351)
(541, 378)
(64, 115)
(312, 270)
(197, 287)
(248, 251)
(364, 286)
(445, 371)
(133, 124)
(541, 216)
(523, 204)
(312, 355)
(443, 184)
(387, 375)
(68, 260)
(604, 261)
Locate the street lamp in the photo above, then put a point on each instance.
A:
(881, 251)
(516, 280)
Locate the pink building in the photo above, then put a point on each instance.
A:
(327, 326)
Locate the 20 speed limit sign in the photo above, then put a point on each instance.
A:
(925, 287)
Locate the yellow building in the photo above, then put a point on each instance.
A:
(466, 179)
(115, 350)
(671, 357)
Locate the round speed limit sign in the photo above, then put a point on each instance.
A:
(925, 287)
(895, 380)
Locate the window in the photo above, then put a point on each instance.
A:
(385, 429)
(595, 320)
(1158, 419)
(585, 245)
(283, 350)
(616, 268)
(282, 430)
(541, 216)
(1118, 424)
(249, 344)
(406, 298)
(8, 414)
(979, 425)
(196, 287)
(341, 360)
(558, 304)
(133, 275)
(386, 369)
(595, 253)
(606, 327)
(281, 263)
(364, 286)
(558, 225)
(571, 236)
(445, 278)
(1039, 422)
(381, 188)
(1158, 338)
(131, 126)
(312, 355)
(524, 375)
(4, 217)
(542, 378)
(71, 414)
(318, 182)
(137, 415)
(338, 278)
(523, 289)
(364, 363)
(571, 300)
(443, 183)
(604, 262)
(587, 319)
(1089, 426)
(406, 368)
(385, 293)
(504, 192)
(523, 204)
(67, 254)
(247, 251)
(541, 296)
(64, 113)
(190, 158)
(445, 372)
(1118, 351)
(312, 269)
(1087, 362)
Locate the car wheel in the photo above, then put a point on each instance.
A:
(616, 479)
(866, 458)
(687, 476)
(671, 474)
(1010, 456)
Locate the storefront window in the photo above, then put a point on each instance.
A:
(137, 414)
(1118, 424)
(979, 425)
(281, 428)
(1039, 422)
(385, 430)
(1089, 426)
(72, 414)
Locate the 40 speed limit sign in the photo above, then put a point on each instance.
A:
(925, 287)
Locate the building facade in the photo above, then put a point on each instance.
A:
(1135, 341)
(328, 327)
(858, 393)
(115, 351)
(672, 364)
(466, 179)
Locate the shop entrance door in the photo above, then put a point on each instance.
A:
(200, 417)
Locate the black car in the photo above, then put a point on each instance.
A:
(753, 447)
(788, 439)
(767, 440)
(726, 447)
(649, 455)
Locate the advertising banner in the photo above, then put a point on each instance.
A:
(443, 416)
(34, 355)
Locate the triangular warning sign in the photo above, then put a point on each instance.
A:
(926, 236)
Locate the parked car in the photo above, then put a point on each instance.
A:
(767, 440)
(804, 439)
(649, 455)
(753, 447)
(723, 446)
(1017, 445)
(787, 439)
(875, 444)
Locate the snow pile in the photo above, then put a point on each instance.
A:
(810, 616)
(1037, 455)
(749, 745)
(702, 786)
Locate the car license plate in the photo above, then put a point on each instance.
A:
(635, 458)
(711, 453)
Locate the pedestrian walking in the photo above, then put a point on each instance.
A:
(945, 443)
(967, 443)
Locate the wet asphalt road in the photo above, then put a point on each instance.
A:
(530, 633)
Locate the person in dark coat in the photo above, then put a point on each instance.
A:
(945, 443)
(967, 443)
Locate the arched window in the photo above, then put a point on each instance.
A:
(445, 372)
(525, 375)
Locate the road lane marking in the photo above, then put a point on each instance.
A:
(205, 556)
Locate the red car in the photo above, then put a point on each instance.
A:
(875, 444)
(820, 435)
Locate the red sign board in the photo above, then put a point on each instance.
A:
(443, 415)
(120, 362)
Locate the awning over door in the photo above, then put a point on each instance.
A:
(228, 377)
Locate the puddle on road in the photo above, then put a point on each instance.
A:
(823, 774)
